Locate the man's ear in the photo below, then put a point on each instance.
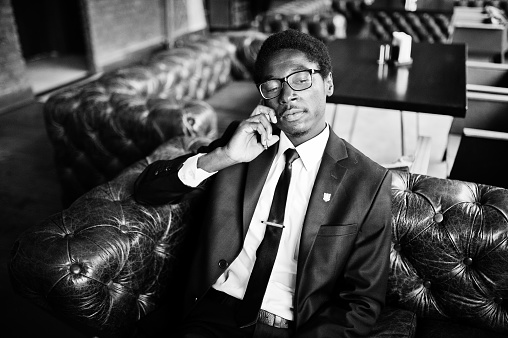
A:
(329, 84)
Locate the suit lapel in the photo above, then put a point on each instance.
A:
(324, 195)
(256, 176)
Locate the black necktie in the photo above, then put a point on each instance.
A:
(267, 250)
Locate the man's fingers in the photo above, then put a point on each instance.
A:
(268, 112)
(264, 129)
(272, 140)
(259, 129)
(272, 117)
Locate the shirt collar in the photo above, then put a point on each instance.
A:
(310, 151)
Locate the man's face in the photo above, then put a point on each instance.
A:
(300, 114)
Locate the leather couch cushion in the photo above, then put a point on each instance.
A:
(395, 323)
(234, 101)
(449, 251)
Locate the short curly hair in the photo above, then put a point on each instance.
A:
(314, 49)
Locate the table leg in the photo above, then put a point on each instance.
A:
(402, 142)
(403, 132)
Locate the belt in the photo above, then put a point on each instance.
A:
(270, 319)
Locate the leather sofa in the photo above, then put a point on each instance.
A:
(113, 267)
(325, 26)
(319, 18)
(99, 128)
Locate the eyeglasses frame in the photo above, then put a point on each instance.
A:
(283, 80)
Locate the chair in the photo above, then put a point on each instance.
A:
(485, 111)
(480, 157)
(487, 77)
(482, 39)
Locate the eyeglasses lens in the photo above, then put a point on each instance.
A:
(297, 81)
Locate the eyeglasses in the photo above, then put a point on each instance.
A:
(297, 81)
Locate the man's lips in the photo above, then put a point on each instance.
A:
(286, 112)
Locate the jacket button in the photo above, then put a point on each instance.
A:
(223, 264)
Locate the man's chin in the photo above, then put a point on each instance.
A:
(292, 130)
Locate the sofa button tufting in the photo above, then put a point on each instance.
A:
(75, 269)
(498, 300)
(397, 247)
(468, 261)
(438, 218)
(427, 284)
(223, 264)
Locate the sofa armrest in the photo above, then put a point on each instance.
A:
(449, 252)
(104, 262)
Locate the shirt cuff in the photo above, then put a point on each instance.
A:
(190, 174)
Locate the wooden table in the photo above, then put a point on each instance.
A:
(434, 83)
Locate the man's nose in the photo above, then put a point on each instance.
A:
(287, 94)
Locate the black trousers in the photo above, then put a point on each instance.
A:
(214, 317)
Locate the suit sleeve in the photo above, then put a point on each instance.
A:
(360, 292)
(159, 182)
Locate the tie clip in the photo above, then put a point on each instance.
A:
(273, 224)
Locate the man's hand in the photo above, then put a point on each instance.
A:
(251, 138)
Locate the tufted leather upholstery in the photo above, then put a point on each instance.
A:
(422, 27)
(105, 261)
(325, 26)
(316, 18)
(100, 128)
(450, 250)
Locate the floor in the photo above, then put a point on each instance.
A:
(48, 73)
(29, 192)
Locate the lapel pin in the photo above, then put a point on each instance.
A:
(326, 197)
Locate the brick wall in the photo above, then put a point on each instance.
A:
(14, 87)
(120, 29)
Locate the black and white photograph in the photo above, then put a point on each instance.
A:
(254, 168)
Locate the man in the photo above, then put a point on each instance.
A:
(330, 270)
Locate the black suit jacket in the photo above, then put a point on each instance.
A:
(343, 260)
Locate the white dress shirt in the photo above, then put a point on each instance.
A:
(278, 298)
